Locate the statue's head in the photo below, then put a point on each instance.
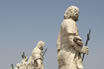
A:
(40, 45)
(72, 12)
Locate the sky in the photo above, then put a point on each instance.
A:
(25, 22)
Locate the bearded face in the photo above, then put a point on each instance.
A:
(72, 12)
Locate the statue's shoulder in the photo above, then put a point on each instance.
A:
(68, 22)
(36, 50)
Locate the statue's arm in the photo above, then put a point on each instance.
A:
(39, 62)
(58, 43)
(74, 38)
(79, 45)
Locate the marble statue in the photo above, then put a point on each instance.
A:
(35, 61)
(69, 43)
(22, 64)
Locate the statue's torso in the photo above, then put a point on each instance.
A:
(68, 56)
(68, 30)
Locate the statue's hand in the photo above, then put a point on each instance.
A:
(84, 49)
(78, 41)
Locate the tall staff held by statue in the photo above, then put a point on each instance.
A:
(88, 38)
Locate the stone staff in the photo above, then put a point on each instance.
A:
(44, 52)
(12, 66)
(88, 38)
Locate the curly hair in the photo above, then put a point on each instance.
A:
(71, 12)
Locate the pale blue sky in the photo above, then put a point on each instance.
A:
(24, 22)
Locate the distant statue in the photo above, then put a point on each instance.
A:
(69, 43)
(17, 66)
(22, 64)
(36, 60)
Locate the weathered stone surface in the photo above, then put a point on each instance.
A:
(69, 44)
(35, 61)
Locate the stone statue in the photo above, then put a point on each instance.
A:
(17, 66)
(36, 60)
(69, 43)
(22, 64)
